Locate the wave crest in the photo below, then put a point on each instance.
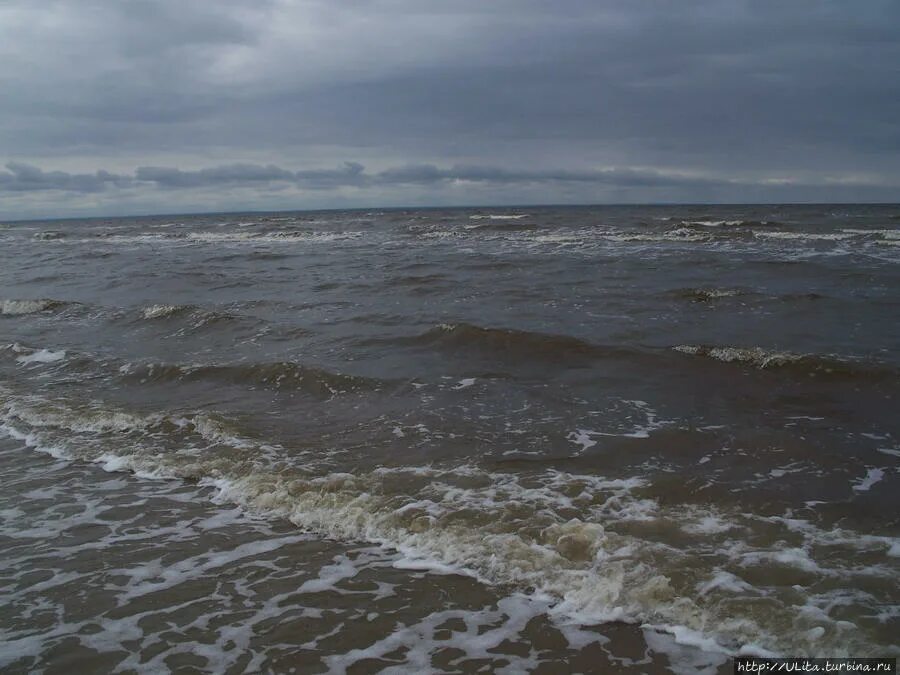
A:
(809, 364)
(279, 375)
(19, 307)
(164, 311)
(707, 294)
(521, 343)
(730, 223)
(199, 317)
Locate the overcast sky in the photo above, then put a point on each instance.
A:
(163, 106)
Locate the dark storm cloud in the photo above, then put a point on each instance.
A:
(689, 95)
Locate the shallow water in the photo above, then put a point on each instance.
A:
(626, 437)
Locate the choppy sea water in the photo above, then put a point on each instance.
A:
(637, 439)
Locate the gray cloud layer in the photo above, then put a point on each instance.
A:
(20, 177)
(702, 99)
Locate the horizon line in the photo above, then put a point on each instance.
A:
(538, 205)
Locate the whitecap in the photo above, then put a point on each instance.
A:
(42, 356)
(19, 307)
(161, 311)
(466, 382)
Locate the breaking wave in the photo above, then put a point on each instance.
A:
(164, 311)
(810, 364)
(712, 294)
(730, 223)
(198, 316)
(28, 355)
(806, 236)
(18, 307)
(504, 226)
(49, 235)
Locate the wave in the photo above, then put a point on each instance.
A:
(730, 223)
(524, 346)
(19, 307)
(513, 225)
(696, 231)
(200, 317)
(416, 280)
(212, 237)
(809, 364)
(507, 341)
(272, 237)
(712, 294)
(498, 216)
(877, 237)
(677, 234)
(42, 356)
(28, 355)
(279, 375)
(883, 234)
(252, 254)
(707, 294)
(164, 311)
(746, 231)
(806, 236)
(49, 235)
(115, 236)
(574, 539)
(98, 420)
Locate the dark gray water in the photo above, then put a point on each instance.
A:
(622, 437)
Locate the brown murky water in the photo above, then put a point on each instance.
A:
(634, 439)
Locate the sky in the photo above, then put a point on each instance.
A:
(113, 107)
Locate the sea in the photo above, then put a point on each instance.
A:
(637, 439)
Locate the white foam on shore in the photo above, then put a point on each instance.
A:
(501, 528)
(790, 557)
(873, 476)
(583, 438)
(724, 581)
(688, 653)
(636, 429)
(708, 524)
